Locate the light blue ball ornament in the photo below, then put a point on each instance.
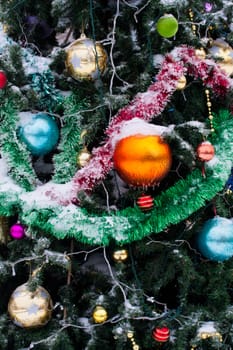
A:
(215, 240)
(39, 132)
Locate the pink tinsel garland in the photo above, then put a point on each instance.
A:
(182, 61)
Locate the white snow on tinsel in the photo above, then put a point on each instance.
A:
(207, 327)
(41, 198)
(137, 126)
(25, 118)
(6, 183)
(172, 2)
(31, 63)
(158, 60)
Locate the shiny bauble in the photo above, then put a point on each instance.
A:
(206, 335)
(30, 309)
(215, 241)
(3, 79)
(208, 6)
(200, 53)
(145, 202)
(208, 330)
(181, 84)
(167, 26)
(205, 151)
(83, 157)
(40, 134)
(17, 231)
(142, 160)
(161, 334)
(120, 255)
(85, 59)
(100, 315)
(222, 52)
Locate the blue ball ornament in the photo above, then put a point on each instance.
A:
(215, 240)
(40, 133)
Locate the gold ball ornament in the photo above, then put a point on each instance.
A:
(200, 53)
(85, 59)
(120, 255)
(222, 52)
(99, 315)
(5, 28)
(206, 335)
(83, 157)
(181, 83)
(30, 309)
(206, 331)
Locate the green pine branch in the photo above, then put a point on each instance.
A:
(13, 151)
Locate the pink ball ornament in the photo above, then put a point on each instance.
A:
(3, 79)
(17, 231)
(208, 6)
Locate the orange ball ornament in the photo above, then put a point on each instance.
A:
(205, 151)
(142, 160)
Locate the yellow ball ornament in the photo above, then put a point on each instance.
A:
(30, 309)
(181, 83)
(222, 52)
(100, 315)
(206, 335)
(83, 157)
(120, 255)
(200, 53)
(85, 59)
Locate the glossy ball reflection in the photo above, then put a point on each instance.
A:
(30, 309)
(215, 240)
(40, 133)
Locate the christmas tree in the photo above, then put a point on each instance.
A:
(116, 176)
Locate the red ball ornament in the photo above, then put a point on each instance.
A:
(161, 334)
(3, 79)
(145, 202)
(205, 151)
(17, 231)
(142, 160)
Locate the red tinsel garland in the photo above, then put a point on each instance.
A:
(181, 61)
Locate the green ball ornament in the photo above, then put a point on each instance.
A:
(167, 26)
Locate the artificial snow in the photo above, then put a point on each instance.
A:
(25, 118)
(137, 126)
(6, 183)
(43, 196)
(84, 321)
(158, 60)
(207, 327)
(172, 2)
(72, 219)
(31, 63)
(133, 33)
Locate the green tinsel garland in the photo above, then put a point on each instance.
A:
(17, 157)
(44, 86)
(71, 143)
(172, 206)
